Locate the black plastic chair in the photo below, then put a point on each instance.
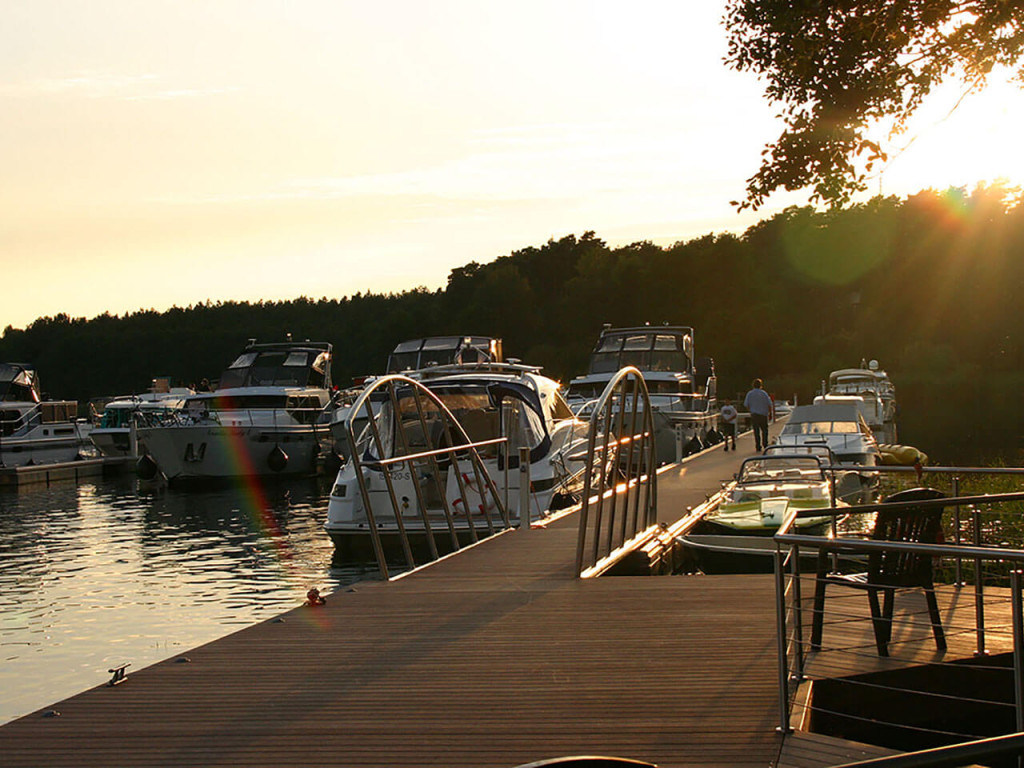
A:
(890, 570)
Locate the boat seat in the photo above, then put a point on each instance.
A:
(890, 570)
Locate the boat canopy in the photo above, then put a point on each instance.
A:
(18, 383)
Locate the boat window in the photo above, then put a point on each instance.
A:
(781, 468)
(604, 362)
(244, 361)
(609, 344)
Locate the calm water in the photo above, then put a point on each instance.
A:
(104, 572)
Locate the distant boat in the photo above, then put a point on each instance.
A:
(877, 393)
(269, 416)
(34, 430)
(113, 436)
(682, 389)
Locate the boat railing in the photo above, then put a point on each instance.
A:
(46, 412)
(620, 474)
(452, 445)
(843, 636)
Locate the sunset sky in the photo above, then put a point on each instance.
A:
(165, 153)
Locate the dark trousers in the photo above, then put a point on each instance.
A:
(729, 433)
(760, 424)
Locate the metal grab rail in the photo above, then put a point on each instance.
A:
(789, 603)
(401, 454)
(957, 754)
(34, 417)
(621, 464)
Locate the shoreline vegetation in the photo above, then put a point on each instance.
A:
(928, 285)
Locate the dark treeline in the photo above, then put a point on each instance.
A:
(931, 286)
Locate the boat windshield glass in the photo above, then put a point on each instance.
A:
(646, 351)
(274, 368)
(474, 408)
(821, 428)
(781, 468)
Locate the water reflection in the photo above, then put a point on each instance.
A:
(107, 572)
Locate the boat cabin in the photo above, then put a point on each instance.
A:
(306, 364)
(416, 354)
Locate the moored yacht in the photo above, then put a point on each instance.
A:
(113, 431)
(490, 401)
(682, 389)
(34, 430)
(877, 393)
(268, 416)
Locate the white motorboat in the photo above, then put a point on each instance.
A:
(839, 425)
(490, 401)
(33, 430)
(269, 416)
(114, 435)
(877, 393)
(682, 390)
(735, 536)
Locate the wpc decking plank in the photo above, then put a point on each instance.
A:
(495, 657)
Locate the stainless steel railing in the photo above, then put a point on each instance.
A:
(794, 650)
(387, 447)
(620, 482)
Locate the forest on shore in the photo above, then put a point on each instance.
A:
(931, 286)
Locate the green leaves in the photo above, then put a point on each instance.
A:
(835, 68)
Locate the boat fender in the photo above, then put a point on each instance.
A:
(278, 459)
(313, 597)
(146, 467)
(694, 446)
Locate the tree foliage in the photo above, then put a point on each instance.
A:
(834, 68)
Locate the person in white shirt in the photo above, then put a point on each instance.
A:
(729, 416)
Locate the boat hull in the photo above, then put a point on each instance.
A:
(216, 452)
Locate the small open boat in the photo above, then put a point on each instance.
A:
(735, 536)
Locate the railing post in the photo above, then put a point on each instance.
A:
(979, 587)
(955, 489)
(524, 489)
(780, 618)
(1018, 649)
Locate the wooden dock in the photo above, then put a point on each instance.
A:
(496, 656)
(64, 471)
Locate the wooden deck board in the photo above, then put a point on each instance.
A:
(497, 656)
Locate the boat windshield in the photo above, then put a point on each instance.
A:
(821, 428)
(806, 468)
(652, 351)
(480, 410)
(277, 368)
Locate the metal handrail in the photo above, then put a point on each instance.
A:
(620, 464)
(388, 386)
(787, 554)
(967, 753)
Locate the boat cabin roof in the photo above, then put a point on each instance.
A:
(289, 364)
(19, 382)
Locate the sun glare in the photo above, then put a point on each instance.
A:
(977, 142)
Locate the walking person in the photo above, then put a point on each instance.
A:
(762, 410)
(729, 416)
